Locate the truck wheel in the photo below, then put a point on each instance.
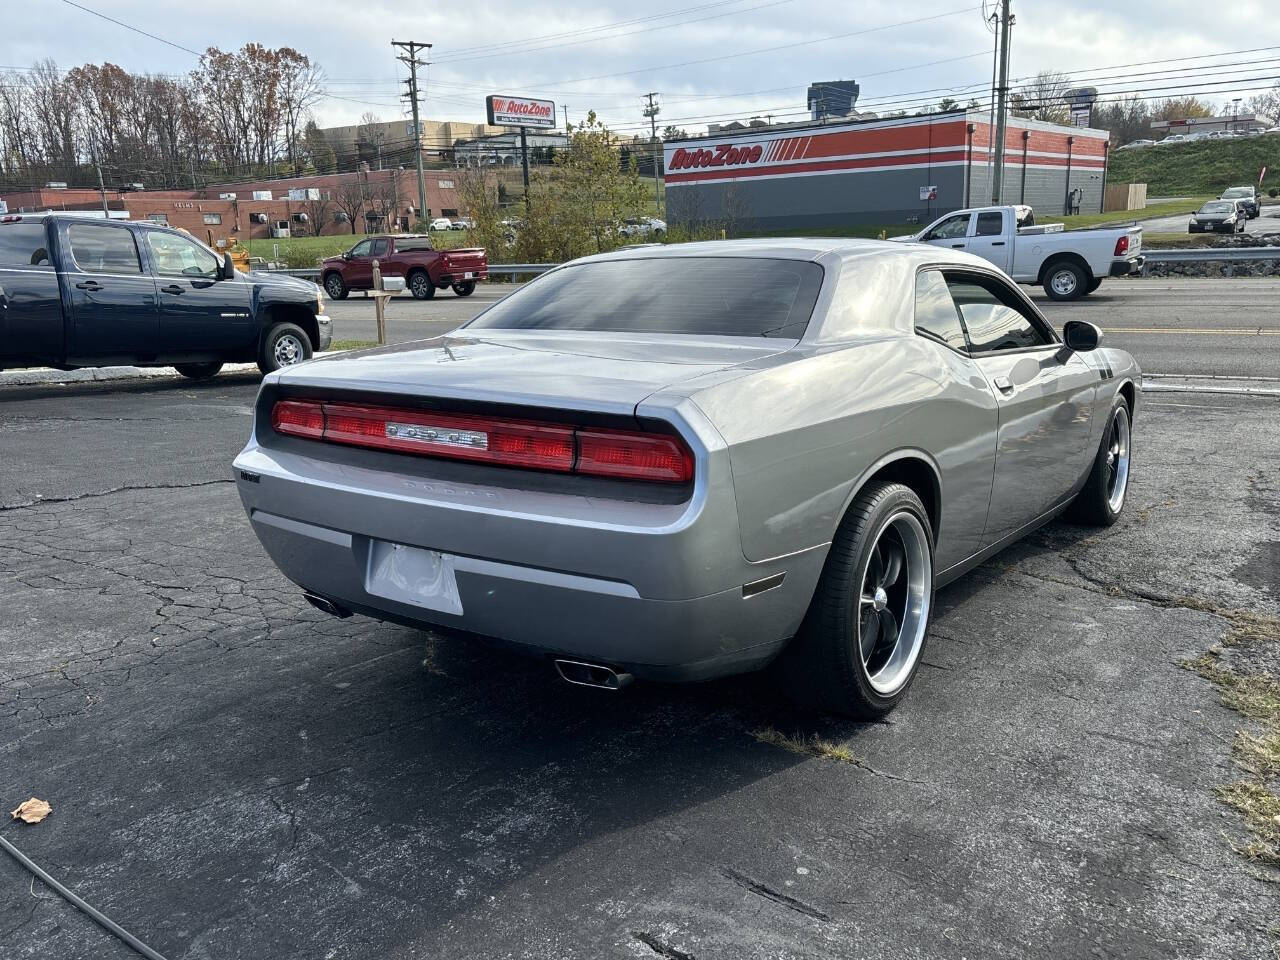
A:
(284, 345)
(199, 371)
(420, 285)
(335, 286)
(1092, 285)
(1064, 280)
(465, 289)
(864, 633)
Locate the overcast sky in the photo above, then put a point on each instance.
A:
(709, 60)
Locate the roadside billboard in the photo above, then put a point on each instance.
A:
(505, 111)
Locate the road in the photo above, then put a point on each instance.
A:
(233, 774)
(1173, 326)
(1268, 222)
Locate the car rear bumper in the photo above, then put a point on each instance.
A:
(448, 279)
(664, 601)
(1122, 268)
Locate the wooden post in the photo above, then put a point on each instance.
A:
(379, 303)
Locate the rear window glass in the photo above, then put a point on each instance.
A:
(102, 249)
(712, 296)
(405, 244)
(23, 245)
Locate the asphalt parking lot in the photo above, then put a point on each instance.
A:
(235, 775)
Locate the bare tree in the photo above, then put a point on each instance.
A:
(350, 198)
(1043, 98)
(370, 136)
(301, 85)
(318, 212)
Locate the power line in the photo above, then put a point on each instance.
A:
(129, 26)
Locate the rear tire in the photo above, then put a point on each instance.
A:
(199, 371)
(1064, 280)
(284, 345)
(1092, 285)
(1100, 502)
(420, 285)
(335, 286)
(864, 633)
(465, 289)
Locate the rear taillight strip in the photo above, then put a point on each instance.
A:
(621, 454)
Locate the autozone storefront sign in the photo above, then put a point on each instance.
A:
(520, 111)
(721, 155)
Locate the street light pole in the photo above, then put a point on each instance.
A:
(1002, 94)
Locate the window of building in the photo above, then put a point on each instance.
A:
(24, 245)
(993, 317)
(449, 212)
(158, 217)
(213, 219)
(98, 248)
(936, 314)
(446, 184)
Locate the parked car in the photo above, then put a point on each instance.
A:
(1249, 196)
(78, 292)
(1069, 264)
(411, 256)
(1172, 139)
(1135, 144)
(462, 223)
(780, 457)
(441, 223)
(643, 227)
(1219, 216)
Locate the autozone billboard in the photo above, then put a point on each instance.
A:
(507, 111)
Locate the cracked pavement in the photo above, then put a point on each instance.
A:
(234, 774)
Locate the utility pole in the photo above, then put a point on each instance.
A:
(410, 57)
(102, 190)
(565, 107)
(1002, 95)
(651, 111)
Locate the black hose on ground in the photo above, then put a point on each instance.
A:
(97, 916)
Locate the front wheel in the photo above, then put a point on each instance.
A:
(1100, 502)
(284, 345)
(335, 286)
(420, 285)
(864, 634)
(199, 371)
(1065, 281)
(465, 289)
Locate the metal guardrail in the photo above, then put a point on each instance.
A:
(313, 273)
(1212, 253)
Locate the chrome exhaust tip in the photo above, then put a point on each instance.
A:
(326, 605)
(592, 675)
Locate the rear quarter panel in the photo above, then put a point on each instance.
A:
(805, 434)
(1031, 252)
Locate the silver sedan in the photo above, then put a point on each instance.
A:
(687, 461)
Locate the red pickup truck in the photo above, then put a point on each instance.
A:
(410, 256)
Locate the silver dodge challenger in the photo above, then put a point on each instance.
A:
(680, 462)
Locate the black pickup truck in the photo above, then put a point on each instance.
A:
(79, 292)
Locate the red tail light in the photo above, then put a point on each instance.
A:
(1122, 246)
(622, 454)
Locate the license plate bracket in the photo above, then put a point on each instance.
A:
(413, 575)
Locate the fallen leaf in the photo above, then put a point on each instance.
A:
(32, 811)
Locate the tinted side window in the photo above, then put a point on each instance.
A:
(936, 314)
(990, 317)
(361, 249)
(378, 248)
(989, 224)
(179, 257)
(24, 245)
(102, 249)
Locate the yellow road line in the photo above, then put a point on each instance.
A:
(1197, 331)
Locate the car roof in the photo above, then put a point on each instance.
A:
(795, 248)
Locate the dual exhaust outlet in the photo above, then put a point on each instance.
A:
(577, 672)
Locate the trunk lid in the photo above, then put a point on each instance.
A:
(471, 258)
(593, 372)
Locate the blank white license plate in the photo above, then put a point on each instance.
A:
(468, 275)
(423, 578)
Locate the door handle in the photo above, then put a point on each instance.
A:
(88, 285)
(171, 288)
(997, 243)
(1003, 384)
(957, 246)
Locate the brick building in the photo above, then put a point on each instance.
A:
(375, 200)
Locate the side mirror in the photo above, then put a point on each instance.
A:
(346, 255)
(228, 268)
(1081, 336)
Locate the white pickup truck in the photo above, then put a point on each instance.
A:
(1069, 263)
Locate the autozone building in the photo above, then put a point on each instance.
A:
(890, 171)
